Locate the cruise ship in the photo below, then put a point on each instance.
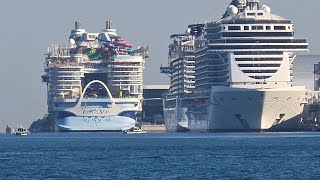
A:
(180, 69)
(94, 81)
(243, 72)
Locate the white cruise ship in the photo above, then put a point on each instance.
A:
(94, 81)
(180, 69)
(243, 72)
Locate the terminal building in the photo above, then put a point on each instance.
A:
(305, 71)
(317, 76)
(152, 107)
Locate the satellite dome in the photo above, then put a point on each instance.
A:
(266, 8)
(72, 41)
(232, 10)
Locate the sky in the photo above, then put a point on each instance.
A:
(27, 28)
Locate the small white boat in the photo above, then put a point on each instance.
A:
(21, 132)
(134, 130)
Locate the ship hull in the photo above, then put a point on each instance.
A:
(176, 119)
(170, 118)
(239, 109)
(94, 123)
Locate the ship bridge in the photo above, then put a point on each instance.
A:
(248, 47)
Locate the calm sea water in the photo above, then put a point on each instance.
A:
(160, 156)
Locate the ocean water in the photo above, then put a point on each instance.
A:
(160, 156)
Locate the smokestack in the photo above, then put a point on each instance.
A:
(77, 25)
(254, 4)
(108, 24)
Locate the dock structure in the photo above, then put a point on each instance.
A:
(311, 114)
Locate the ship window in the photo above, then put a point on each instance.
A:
(279, 28)
(258, 34)
(257, 27)
(260, 47)
(92, 36)
(251, 14)
(268, 27)
(259, 65)
(246, 27)
(259, 71)
(260, 14)
(289, 27)
(234, 28)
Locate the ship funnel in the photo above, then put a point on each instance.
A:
(110, 31)
(253, 4)
(108, 24)
(77, 25)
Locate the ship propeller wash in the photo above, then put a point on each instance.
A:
(94, 81)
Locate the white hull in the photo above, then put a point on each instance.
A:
(176, 119)
(20, 134)
(140, 132)
(102, 123)
(239, 109)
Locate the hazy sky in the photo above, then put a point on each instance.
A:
(29, 27)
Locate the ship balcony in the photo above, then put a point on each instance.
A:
(62, 81)
(207, 78)
(226, 49)
(124, 71)
(189, 87)
(65, 99)
(127, 99)
(66, 73)
(188, 71)
(190, 77)
(126, 79)
(136, 93)
(66, 87)
(260, 62)
(125, 66)
(174, 57)
(64, 65)
(260, 74)
(188, 51)
(66, 76)
(258, 56)
(63, 72)
(259, 68)
(128, 75)
(127, 84)
(191, 67)
(55, 87)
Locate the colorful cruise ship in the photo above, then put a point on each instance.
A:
(94, 81)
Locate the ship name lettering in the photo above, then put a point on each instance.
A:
(88, 111)
(103, 111)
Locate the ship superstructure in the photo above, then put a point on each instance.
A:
(94, 81)
(243, 71)
(181, 64)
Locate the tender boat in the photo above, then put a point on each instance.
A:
(134, 130)
(21, 132)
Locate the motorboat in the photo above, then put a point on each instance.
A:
(134, 130)
(21, 132)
